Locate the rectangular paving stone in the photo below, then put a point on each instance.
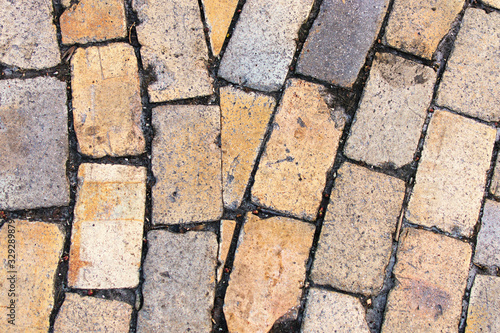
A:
(263, 43)
(488, 240)
(106, 239)
(393, 108)
(471, 81)
(173, 49)
(244, 119)
(340, 38)
(356, 239)
(226, 236)
(484, 305)
(186, 164)
(179, 286)
(451, 175)
(268, 273)
(305, 137)
(33, 143)
(30, 253)
(107, 109)
(431, 275)
(219, 14)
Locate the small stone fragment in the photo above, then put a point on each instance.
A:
(484, 305)
(219, 14)
(488, 239)
(226, 236)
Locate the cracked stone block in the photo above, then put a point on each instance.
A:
(393, 109)
(107, 107)
(268, 273)
(355, 244)
(186, 164)
(488, 240)
(263, 43)
(106, 239)
(219, 14)
(179, 282)
(431, 275)
(302, 147)
(226, 237)
(33, 143)
(484, 305)
(451, 175)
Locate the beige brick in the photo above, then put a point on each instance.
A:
(106, 240)
(451, 176)
(218, 14)
(37, 250)
(106, 101)
(493, 3)
(244, 118)
(186, 164)
(226, 236)
(431, 275)
(268, 273)
(484, 305)
(302, 147)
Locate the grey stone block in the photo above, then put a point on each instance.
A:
(488, 239)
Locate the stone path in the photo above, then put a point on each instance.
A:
(249, 166)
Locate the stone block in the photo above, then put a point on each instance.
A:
(226, 237)
(493, 3)
(484, 305)
(488, 240)
(495, 180)
(219, 14)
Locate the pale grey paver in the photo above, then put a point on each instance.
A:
(488, 239)
(484, 305)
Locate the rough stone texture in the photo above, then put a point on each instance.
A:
(93, 21)
(418, 26)
(471, 81)
(90, 314)
(488, 239)
(493, 3)
(451, 176)
(431, 275)
(263, 43)
(328, 311)
(23, 42)
(226, 236)
(33, 143)
(340, 38)
(218, 14)
(179, 285)
(38, 249)
(173, 50)
(356, 240)
(484, 305)
(306, 132)
(186, 164)
(244, 118)
(268, 273)
(495, 180)
(107, 106)
(389, 120)
(106, 240)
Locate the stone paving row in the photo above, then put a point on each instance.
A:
(249, 166)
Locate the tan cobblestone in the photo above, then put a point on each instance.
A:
(488, 240)
(226, 236)
(218, 14)
(484, 305)
(493, 3)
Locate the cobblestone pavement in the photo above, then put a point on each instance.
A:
(249, 166)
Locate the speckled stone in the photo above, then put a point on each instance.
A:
(493, 3)
(484, 305)
(218, 14)
(495, 180)
(226, 236)
(488, 240)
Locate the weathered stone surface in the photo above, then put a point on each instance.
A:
(488, 239)
(328, 311)
(302, 147)
(417, 27)
(431, 276)
(484, 305)
(495, 180)
(451, 176)
(25, 42)
(493, 3)
(263, 43)
(226, 236)
(356, 240)
(268, 273)
(31, 257)
(186, 164)
(33, 143)
(244, 118)
(106, 240)
(173, 49)
(91, 314)
(93, 21)
(219, 14)
(340, 38)
(389, 120)
(107, 106)
(471, 81)
(179, 285)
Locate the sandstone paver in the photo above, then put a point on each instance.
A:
(484, 305)
(306, 133)
(471, 81)
(244, 119)
(262, 45)
(219, 14)
(33, 143)
(179, 285)
(226, 236)
(106, 240)
(493, 3)
(173, 48)
(495, 180)
(340, 38)
(389, 120)
(186, 164)
(451, 176)
(431, 275)
(488, 239)
(107, 108)
(356, 240)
